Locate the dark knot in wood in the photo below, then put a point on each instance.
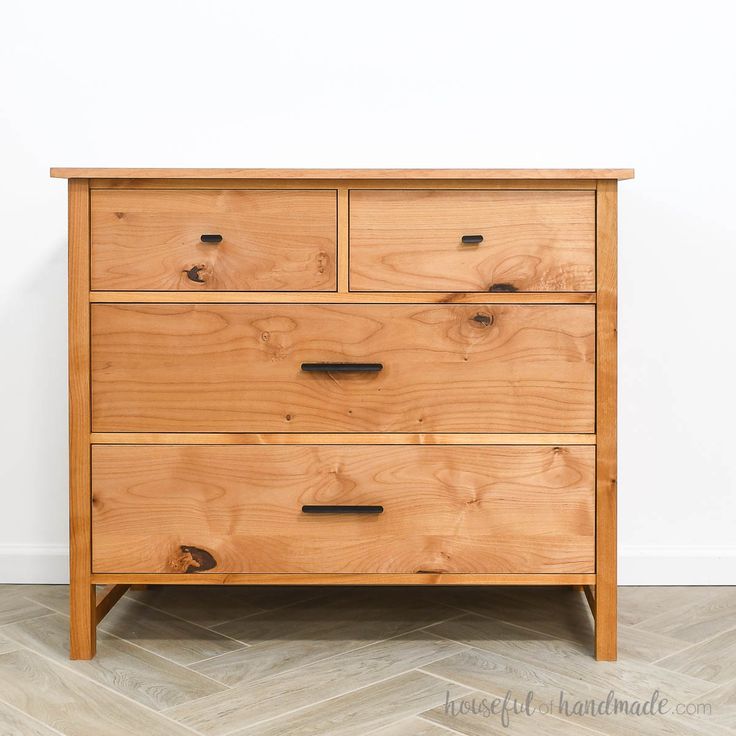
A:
(193, 274)
(196, 559)
(502, 288)
(483, 319)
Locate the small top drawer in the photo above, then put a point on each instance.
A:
(213, 240)
(497, 241)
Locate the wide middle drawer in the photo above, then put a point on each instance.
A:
(343, 368)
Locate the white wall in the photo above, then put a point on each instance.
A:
(425, 84)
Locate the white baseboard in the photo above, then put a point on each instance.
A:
(637, 565)
(685, 565)
(34, 563)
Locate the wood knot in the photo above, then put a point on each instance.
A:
(502, 288)
(483, 319)
(193, 559)
(193, 274)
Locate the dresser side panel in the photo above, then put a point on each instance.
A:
(82, 598)
(606, 387)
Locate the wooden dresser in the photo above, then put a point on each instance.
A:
(342, 376)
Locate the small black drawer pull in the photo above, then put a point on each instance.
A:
(342, 509)
(211, 238)
(342, 367)
(472, 239)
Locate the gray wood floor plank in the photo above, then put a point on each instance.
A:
(134, 672)
(54, 597)
(642, 646)
(723, 703)
(724, 694)
(213, 605)
(696, 622)
(412, 727)
(299, 688)
(299, 635)
(15, 723)
(357, 713)
(496, 674)
(180, 641)
(72, 704)
(713, 659)
(564, 667)
(561, 613)
(641, 603)
(15, 607)
(6, 645)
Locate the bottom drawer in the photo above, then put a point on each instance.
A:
(262, 509)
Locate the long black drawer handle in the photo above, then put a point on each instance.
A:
(211, 238)
(342, 509)
(472, 239)
(342, 367)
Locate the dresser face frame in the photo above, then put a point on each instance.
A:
(88, 606)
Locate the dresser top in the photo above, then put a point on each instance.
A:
(103, 173)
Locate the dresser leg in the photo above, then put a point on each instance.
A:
(605, 622)
(83, 620)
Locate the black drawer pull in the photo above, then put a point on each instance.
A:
(342, 367)
(342, 509)
(472, 239)
(211, 238)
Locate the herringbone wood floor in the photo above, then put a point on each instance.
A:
(347, 661)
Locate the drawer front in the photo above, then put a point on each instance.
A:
(239, 509)
(532, 241)
(245, 368)
(270, 240)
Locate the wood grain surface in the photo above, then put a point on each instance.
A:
(271, 240)
(199, 509)
(288, 579)
(237, 368)
(405, 174)
(533, 241)
(82, 592)
(606, 413)
(344, 297)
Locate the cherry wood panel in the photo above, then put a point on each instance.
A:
(337, 438)
(336, 578)
(341, 183)
(403, 174)
(82, 641)
(238, 509)
(411, 240)
(606, 411)
(271, 240)
(447, 368)
(327, 297)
